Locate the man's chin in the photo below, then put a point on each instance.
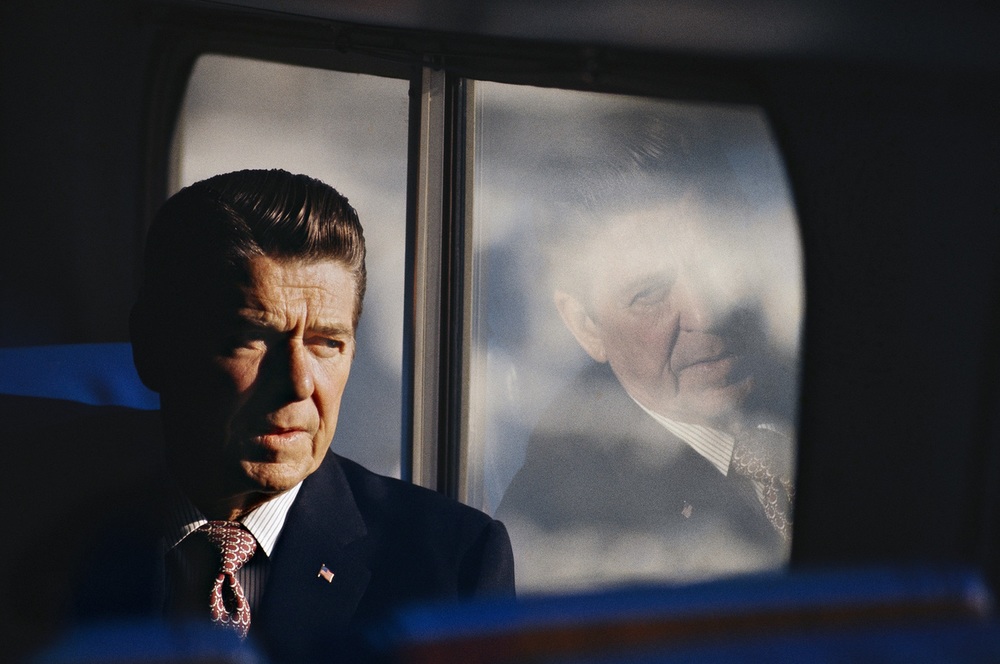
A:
(272, 478)
(719, 407)
(725, 416)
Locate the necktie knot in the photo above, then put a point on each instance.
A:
(235, 545)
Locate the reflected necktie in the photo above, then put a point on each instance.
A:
(235, 545)
(751, 460)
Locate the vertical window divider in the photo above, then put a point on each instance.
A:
(423, 329)
(473, 420)
(436, 411)
(452, 406)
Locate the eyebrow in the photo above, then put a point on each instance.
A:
(645, 281)
(332, 330)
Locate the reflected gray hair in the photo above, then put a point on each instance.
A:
(633, 159)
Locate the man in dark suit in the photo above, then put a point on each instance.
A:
(245, 327)
(635, 470)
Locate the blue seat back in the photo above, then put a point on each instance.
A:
(94, 374)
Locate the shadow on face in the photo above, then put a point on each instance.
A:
(251, 382)
(673, 299)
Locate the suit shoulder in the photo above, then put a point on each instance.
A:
(474, 547)
(398, 499)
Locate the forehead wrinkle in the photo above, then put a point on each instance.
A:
(295, 295)
(312, 320)
(306, 308)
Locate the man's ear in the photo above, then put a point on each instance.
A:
(142, 331)
(579, 322)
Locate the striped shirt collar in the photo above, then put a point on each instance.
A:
(264, 522)
(714, 445)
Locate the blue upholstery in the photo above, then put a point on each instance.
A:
(878, 614)
(95, 374)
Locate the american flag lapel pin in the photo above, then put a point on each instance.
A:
(325, 572)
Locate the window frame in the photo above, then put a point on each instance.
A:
(442, 70)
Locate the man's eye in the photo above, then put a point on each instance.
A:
(246, 339)
(648, 296)
(328, 343)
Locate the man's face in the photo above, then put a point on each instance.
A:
(250, 409)
(664, 311)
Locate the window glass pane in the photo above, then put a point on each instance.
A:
(348, 130)
(637, 304)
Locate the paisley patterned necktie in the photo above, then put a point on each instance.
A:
(235, 545)
(776, 492)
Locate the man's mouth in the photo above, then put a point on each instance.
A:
(698, 348)
(705, 360)
(280, 436)
(714, 370)
(704, 363)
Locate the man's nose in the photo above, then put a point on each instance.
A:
(698, 308)
(291, 372)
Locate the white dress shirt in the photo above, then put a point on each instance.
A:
(264, 523)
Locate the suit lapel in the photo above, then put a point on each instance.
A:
(323, 527)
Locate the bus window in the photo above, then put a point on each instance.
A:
(636, 308)
(349, 130)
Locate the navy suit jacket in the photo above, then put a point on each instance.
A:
(387, 542)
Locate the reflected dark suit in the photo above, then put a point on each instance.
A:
(597, 461)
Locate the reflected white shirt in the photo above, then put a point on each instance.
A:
(714, 445)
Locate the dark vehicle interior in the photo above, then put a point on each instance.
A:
(884, 115)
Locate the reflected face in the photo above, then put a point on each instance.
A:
(667, 317)
(251, 408)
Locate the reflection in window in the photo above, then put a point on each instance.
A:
(638, 305)
(348, 130)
